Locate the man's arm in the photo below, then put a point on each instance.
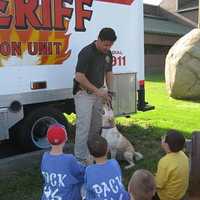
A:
(84, 82)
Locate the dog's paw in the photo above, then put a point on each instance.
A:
(138, 156)
(129, 166)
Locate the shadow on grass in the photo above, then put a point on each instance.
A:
(195, 101)
(26, 184)
(147, 142)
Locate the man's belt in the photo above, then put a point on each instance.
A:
(88, 91)
(84, 89)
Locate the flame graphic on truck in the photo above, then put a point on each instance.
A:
(50, 46)
(34, 32)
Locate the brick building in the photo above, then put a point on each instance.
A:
(163, 26)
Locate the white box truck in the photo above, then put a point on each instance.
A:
(39, 44)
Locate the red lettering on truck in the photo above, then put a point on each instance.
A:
(82, 14)
(5, 20)
(47, 15)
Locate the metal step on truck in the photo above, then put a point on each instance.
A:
(39, 44)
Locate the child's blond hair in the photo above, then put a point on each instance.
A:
(142, 185)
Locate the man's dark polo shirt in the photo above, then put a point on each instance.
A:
(94, 64)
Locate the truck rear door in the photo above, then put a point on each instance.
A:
(124, 86)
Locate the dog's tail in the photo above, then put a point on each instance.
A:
(129, 166)
(138, 156)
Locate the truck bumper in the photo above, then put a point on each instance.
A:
(7, 120)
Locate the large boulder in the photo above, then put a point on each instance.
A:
(182, 67)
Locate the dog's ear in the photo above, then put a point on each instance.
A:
(103, 111)
(103, 101)
(112, 122)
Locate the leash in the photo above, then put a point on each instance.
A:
(111, 94)
(107, 127)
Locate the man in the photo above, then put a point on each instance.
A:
(94, 65)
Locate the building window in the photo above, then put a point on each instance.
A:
(156, 49)
(185, 4)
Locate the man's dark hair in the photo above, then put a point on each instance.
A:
(175, 140)
(107, 34)
(97, 146)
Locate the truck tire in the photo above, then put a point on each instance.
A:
(32, 131)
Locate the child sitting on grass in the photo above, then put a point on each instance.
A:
(172, 175)
(63, 175)
(103, 180)
(142, 185)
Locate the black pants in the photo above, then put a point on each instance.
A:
(156, 197)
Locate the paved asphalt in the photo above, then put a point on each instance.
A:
(8, 149)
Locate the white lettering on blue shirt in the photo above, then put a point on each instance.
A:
(104, 188)
(54, 179)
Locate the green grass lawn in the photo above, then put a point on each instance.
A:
(168, 113)
(143, 129)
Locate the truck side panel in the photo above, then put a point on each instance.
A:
(39, 45)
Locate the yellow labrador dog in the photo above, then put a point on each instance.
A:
(116, 141)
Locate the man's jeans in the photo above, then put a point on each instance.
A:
(89, 121)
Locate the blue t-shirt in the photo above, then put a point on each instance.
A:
(104, 182)
(63, 177)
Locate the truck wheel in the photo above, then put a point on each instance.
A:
(32, 132)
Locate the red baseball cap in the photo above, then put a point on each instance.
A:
(56, 134)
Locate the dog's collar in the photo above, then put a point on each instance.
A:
(107, 127)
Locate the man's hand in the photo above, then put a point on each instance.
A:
(105, 95)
